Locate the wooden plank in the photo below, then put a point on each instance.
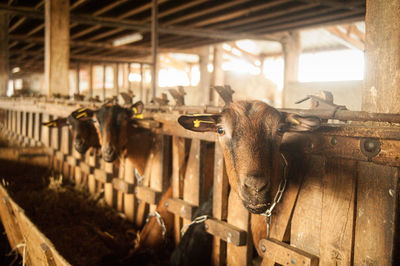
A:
(220, 203)
(181, 208)
(227, 232)
(19, 122)
(55, 136)
(160, 165)
(283, 212)
(377, 207)
(239, 217)
(45, 136)
(338, 199)
(178, 172)
(142, 208)
(147, 194)
(109, 195)
(31, 122)
(66, 140)
(285, 254)
(38, 126)
(8, 218)
(24, 130)
(56, 47)
(122, 186)
(129, 199)
(306, 221)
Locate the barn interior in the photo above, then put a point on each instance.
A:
(337, 60)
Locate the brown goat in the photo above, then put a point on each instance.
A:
(118, 137)
(84, 134)
(250, 133)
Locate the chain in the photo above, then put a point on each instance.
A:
(197, 220)
(160, 221)
(139, 177)
(278, 196)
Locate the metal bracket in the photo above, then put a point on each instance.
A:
(324, 101)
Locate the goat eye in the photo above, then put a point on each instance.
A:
(221, 131)
(281, 128)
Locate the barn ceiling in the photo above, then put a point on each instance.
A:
(94, 25)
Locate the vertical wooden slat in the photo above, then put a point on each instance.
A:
(24, 131)
(19, 122)
(109, 193)
(377, 195)
(129, 199)
(194, 175)
(45, 137)
(9, 119)
(238, 216)
(220, 203)
(31, 122)
(306, 221)
(160, 168)
(38, 126)
(338, 197)
(178, 171)
(120, 194)
(15, 121)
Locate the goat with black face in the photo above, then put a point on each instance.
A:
(84, 133)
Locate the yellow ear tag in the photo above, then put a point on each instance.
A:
(196, 123)
(51, 124)
(81, 115)
(297, 122)
(82, 110)
(138, 116)
(134, 110)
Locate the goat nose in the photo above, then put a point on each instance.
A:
(108, 149)
(256, 183)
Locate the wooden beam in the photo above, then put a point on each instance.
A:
(382, 52)
(207, 11)
(344, 38)
(126, 24)
(245, 12)
(57, 46)
(291, 46)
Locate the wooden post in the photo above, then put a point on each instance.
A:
(218, 74)
(78, 81)
(178, 171)
(204, 83)
(154, 46)
(116, 73)
(3, 53)
(291, 46)
(104, 82)
(381, 91)
(56, 46)
(220, 203)
(91, 79)
(141, 83)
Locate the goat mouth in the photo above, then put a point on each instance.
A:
(109, 157)
(81, 148)
(255, 208)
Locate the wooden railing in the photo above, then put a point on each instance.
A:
(343, 210)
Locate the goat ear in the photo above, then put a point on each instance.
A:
(199, 123)
(82, 113)
(60, 122)
(294, 122)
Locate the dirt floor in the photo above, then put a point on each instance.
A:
(83, 231)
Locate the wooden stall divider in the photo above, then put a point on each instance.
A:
(178, 172)
(220, 203)
(129, 198)
(375, 225)
(306, 222)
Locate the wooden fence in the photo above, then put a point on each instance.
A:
(342, 211)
